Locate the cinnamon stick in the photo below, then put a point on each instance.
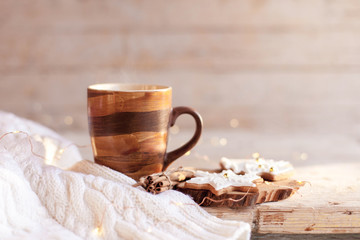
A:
(160, 182)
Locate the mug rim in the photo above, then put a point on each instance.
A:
(128, 87)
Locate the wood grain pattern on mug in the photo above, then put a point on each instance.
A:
(129, 129)
(106, 103)
(146, 141)
(129, 122)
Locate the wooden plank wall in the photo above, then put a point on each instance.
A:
(274, 65)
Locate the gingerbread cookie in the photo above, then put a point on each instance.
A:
(268, 169)
(224, 182)
(265, 192)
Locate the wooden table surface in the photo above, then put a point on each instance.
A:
(328, 204)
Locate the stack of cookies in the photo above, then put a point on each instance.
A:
(242, 182)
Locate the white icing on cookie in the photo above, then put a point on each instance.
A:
(257, 165)
(224, 179)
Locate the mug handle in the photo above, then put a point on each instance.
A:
(175, 154)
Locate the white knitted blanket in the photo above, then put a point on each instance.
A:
(87, 201)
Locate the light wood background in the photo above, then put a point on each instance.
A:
(274, 65)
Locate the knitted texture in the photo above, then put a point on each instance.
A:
(89, 201)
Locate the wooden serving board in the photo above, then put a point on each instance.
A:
(329, 204)
(267, 192)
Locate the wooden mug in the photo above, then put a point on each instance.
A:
(129, 125)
